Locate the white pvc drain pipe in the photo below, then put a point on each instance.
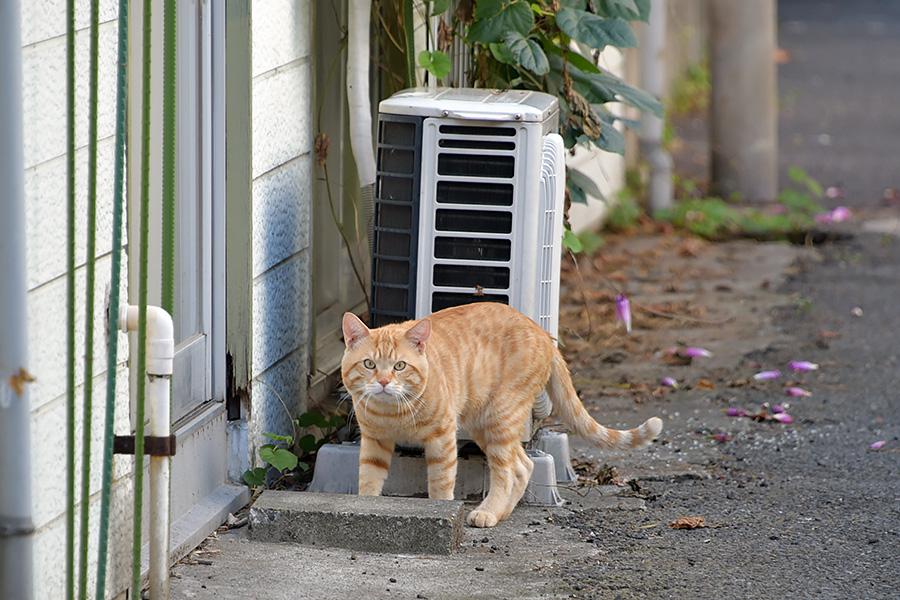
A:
(160, 355)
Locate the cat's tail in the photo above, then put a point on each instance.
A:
(572, 412)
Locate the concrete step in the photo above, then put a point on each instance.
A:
(362, 523)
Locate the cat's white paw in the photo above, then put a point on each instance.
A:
(480, 518)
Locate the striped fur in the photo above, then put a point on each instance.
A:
(477, 366)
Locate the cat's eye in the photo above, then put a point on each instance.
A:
(369, 363)
(400, 366)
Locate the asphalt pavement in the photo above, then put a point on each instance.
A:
(806, 509)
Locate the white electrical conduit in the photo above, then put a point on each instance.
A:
(160, 355)
(360, 105)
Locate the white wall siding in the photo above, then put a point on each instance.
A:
(47, 219)
(281, 33)
(44, 126)
(281, 196)
(44, 93)
(282, 114)
(281, 213)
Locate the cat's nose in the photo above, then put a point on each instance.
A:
(384, 383)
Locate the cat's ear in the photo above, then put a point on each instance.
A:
(354, 330)
(418, 334)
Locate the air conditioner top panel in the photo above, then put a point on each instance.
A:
(473, 104)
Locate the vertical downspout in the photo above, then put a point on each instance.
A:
(358, 101)
(160, 357)
(653, 78)
(16, 526)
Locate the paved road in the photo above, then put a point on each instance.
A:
(806, 510)
(839, 93)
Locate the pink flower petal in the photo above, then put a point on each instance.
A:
(777, 409)
(856, 311)
(834, 192)
(735, 412)
(623, 311)
(721, 437)
(795, 391)
(695, 352)
(823, 218)
(767, 375)
(669, 382)
(783, 417)
(877, 445)
(802, 365)
(841, 213)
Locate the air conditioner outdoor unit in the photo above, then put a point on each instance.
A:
(468, 203)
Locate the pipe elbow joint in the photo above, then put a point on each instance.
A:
(160, 336)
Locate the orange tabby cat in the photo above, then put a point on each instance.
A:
(477, 366)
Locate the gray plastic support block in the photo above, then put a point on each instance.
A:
(541, 489)
(556, 443)
(337, 472)
(362, 523)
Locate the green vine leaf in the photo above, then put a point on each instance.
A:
(595, 31)
(571, 242)
(630, 10)
(585, 184)
(256, 477)
(279, 458)
(435, 62)
(575, 59)
(312, 418)
(280, 438)
(439, 7)
(487, 9)
(502, 53)
(528, 52)
(515, 16)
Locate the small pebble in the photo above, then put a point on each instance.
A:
(479, 568)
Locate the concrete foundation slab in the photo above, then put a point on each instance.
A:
(363, 523)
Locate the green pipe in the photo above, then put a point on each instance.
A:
(142, 308)
(168, 158)
(89, 302)
(112, 318)
(70, 300)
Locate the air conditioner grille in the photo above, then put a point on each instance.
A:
(464, 248)
(476, 143)
(395, 216)
(471, 277)
(442, 300)
(481, 221)
(396, 236)
(478, 131)
(395, 188)
(477, 165)
(479, 193)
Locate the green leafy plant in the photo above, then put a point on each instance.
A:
(285, 453)
(553, 46)
(691, 91)
(714, 218)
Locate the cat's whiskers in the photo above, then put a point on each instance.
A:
(406, 398)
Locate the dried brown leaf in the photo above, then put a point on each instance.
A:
(321, 147)
(688, 523)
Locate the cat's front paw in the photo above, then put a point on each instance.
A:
(480, 518)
